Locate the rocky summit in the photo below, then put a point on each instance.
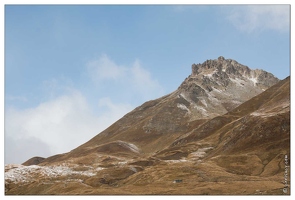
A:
(225, 130)
(217, 86)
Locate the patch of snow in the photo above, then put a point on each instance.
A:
(238, 81)
(99, 168)
(74, 180)
(254, 80)
(11, 166)
(217, 90)
(177, 161)
(202, 110)
(256, 114)
(264, 115)
(122, 163)
(209, 75)
(183, 107)
(200, 153)
(133, 169)
(187, 99)
(213, 99)
(204, 102)
(131, 146)
(236, 102)
(282, 107)
(27, 173)
(183, 96)
(63, 171)
(20, 174)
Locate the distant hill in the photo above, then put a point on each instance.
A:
(34, 161)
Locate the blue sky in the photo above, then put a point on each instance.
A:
(71, 71)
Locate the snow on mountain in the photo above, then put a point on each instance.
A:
(20, 173)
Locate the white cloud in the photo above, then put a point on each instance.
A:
(104, 68)
(135, 78)
(60, 125)
(260, 17)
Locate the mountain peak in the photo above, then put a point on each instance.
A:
(219, 85)
(228, 68)
(220, 65)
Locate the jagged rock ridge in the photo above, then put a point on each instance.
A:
(217, 86)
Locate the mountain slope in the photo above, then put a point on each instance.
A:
(260, 124)
(213, 88)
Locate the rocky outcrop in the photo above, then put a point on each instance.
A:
(222, 69)
(222, 84)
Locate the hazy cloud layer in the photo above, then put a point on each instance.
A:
(260, 17)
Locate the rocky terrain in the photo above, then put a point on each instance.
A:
(225, 130)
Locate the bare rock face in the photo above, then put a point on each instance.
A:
(228, 68)
(221, 85)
